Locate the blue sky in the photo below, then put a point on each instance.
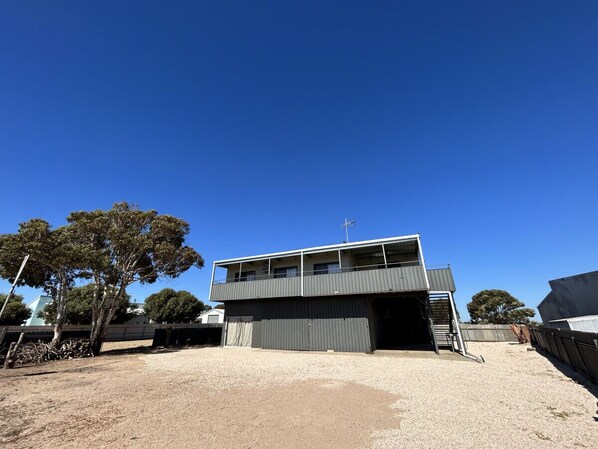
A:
(265, 124)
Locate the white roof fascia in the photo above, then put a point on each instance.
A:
(207, 312)
(576, 318)
(319, 249)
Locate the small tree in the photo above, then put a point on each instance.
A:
(78, 310)
(15, 313)
(171, 306)
(498, 307)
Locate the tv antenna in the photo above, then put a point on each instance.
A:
(346, 225)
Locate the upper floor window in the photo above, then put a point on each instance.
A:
(285, 272)
(245, 276)
(327, 268)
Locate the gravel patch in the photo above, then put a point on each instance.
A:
(241, 398)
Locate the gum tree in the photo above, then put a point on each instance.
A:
(78, 310)
(125, 245)
(55, 262)
(498, 307)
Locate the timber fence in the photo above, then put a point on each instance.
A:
(574, 348)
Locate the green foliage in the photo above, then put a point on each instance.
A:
(56, 260)
(125, 245)
(113, 249)
(78, 309)
(171, 306)
(15, 313)
(498, 307)
(220, 306)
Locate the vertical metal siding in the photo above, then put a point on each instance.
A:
(395, 279)
(441, 280)
(263, 288)
(320, 324)
(370, 281)
(339, 324)
(286, 324)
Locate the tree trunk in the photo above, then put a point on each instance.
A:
(101, 318)
(61, 296)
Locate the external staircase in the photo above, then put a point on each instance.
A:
(444, 322)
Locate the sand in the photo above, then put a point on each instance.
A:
(243, 398)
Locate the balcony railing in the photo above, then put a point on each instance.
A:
(259, 277)
(409, 276)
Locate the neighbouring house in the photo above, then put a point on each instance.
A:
(36, 306)
(139, 317)
(357, 297)
(212, 316)
(572, 303)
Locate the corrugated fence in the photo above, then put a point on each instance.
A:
(488, 332)
(577, 349)
(171, 334)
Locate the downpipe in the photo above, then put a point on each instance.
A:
(479, 359)
(468, 355)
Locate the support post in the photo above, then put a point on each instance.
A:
(455, 321)
(340, 264)
(384, 254)
(212, 283)
(421, 258)
(302, 273)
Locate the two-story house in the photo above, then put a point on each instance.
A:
(357, 297)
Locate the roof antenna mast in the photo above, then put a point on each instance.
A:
(346, 225)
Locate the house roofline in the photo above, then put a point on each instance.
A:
(316, 249)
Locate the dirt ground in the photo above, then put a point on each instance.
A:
(241, 398)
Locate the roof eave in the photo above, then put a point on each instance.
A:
(316, 249)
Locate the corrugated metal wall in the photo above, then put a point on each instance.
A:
(441, 280)
(348, 283)
(370, 281)
(263, 288)
(286, 324)
(317, 324)
(340, 324)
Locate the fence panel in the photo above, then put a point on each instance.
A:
(192, 333)
(488, 332)
(577, 349)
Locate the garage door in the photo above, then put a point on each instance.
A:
(239, 330)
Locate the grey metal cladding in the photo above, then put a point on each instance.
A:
(317, 324)
(441, 280)
(340, 324)
(370, 281)
(263, 288)
(285, 324)
(395, 279)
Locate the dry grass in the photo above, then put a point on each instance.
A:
(238, 398)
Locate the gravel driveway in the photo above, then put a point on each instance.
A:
(242, 398)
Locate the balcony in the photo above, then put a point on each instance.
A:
(259, 288)
(348, 281)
